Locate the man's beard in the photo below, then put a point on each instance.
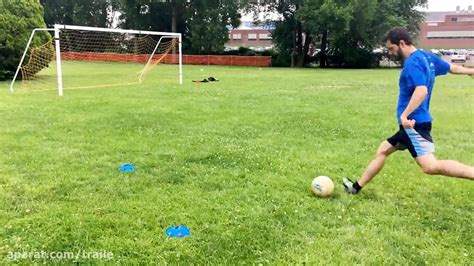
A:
(398, 57)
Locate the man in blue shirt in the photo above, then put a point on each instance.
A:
(413, 112)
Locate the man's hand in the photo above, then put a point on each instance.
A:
(419, 95)
(460, 70)
(407, 123)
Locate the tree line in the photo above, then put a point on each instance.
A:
(345, 32)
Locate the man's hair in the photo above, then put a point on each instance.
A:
(397, 34)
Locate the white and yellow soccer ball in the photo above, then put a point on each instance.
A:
(322, 186)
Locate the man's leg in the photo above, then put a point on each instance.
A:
(384, 150)
(430, 165)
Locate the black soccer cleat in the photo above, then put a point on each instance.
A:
(349, 186)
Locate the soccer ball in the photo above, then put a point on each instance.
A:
(322, 186)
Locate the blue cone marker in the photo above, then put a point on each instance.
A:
(178, 231)
(127, 168)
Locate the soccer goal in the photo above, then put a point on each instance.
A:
(87, 57)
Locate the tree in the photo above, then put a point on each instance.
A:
(94, 13)
(207, 24)
(303, 23)
(289, 35)
(17, 19)
(371, 19)
(284, 41)
(153, 14)
(345, 30)
(324, 19)
(202, 23)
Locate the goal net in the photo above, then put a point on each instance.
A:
(88, 57)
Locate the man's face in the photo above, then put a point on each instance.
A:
(394, 51)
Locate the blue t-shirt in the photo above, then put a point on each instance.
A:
(420, 69)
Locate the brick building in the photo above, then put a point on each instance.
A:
(250, 35)
(448, 30)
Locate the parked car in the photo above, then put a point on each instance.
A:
(470, 54)
(458, 57)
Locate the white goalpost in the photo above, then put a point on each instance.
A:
(95, 57)
(24, 54)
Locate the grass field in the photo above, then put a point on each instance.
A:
(233, 161)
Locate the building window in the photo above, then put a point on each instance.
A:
(236, 36)
(449, 34)
(454, 19)
(264, 36)
(252, 36)
(453, 38)
(466, 19)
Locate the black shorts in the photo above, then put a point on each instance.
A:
(417, 140)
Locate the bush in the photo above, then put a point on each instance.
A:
(17, 19)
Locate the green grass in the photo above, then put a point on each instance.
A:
(233, 161)
(99, 75)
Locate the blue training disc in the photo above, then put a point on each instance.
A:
(178, 231)
(127, 168)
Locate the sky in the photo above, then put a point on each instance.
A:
(448, 5)
(433, 5)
